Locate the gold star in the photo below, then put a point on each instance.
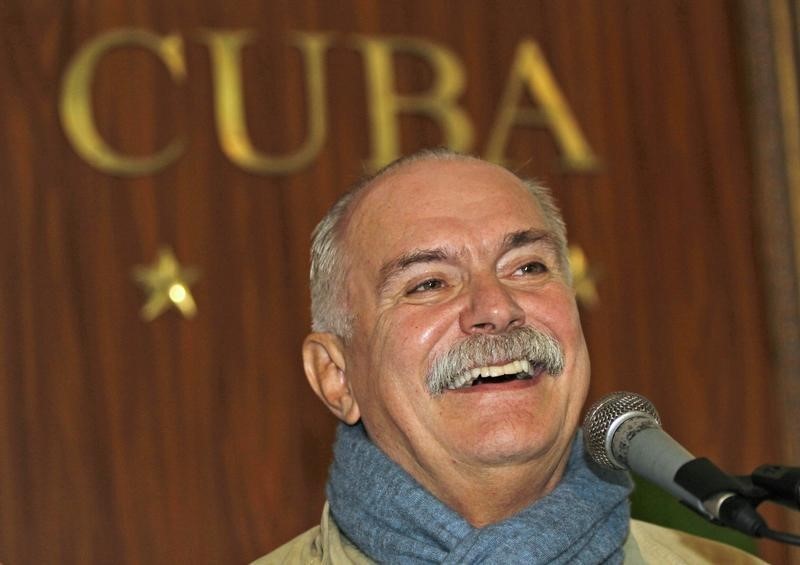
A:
(166, 284)
(583, 277)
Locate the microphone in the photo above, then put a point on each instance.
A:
(623, 431)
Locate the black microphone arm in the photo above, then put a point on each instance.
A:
(623, 431)
(780, 484)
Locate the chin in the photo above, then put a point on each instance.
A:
(510, 445)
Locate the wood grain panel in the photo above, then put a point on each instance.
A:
(198, 441)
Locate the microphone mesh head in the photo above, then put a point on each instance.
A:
(602, 415)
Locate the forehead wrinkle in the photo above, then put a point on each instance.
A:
(394, 267)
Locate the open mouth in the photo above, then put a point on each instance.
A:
(521, 369)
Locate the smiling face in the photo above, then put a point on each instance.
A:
(448, 254)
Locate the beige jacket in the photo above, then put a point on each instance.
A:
(646, 544)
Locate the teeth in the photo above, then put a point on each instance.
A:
(513, 368)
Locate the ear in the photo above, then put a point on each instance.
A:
(323, 360)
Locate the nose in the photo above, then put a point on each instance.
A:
(491, 309)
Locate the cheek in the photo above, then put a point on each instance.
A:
(409, 336)
(562, 318)
(426, 326)
(559, 312)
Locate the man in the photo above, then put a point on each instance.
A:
(447, 340)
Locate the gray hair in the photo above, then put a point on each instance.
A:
(329, 309)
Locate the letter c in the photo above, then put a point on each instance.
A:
(75, 105)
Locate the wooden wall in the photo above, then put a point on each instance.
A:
(178, 441)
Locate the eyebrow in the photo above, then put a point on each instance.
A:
(394, 267)
(522, 238)
(513, 240)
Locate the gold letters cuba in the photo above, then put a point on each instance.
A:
(528, 73)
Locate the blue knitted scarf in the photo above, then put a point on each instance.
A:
(392, 519)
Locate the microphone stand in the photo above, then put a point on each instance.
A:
(774, 483)
(780, 483)
(732, 501)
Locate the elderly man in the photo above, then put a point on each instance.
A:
(447, 340)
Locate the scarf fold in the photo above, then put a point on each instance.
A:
(393, 519)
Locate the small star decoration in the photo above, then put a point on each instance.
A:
(166, 283)
(583, 277)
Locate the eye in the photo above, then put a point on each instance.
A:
(427, 285)
(533, 268)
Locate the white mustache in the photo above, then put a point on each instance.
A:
(538, 347)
